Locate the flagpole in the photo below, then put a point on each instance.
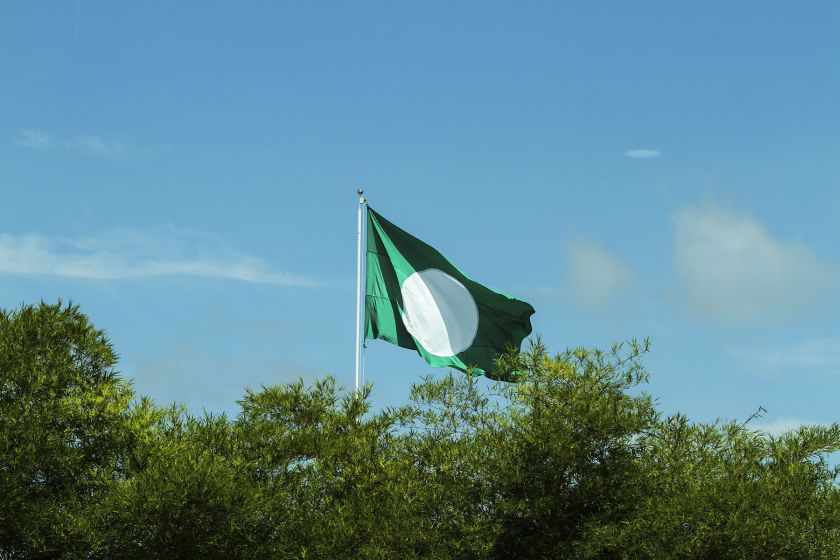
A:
(362, 208)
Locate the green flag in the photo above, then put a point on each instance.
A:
(417, 299)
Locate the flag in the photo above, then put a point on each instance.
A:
(415, 298)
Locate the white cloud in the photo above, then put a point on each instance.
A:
(594, 276)
(820, 355)
(90, 145)
(35, 139)
(97, 146)
(126, 254)
(642, 153)
(731, 268)
(779, 426)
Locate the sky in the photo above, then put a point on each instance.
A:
(186, 173)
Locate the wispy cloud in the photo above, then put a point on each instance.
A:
(642, 153)
(594, 276)
(35, 139)
(819, 355)
(126, 254)
(93, 145)
(731, 269)
(779, 426)
(97, 146)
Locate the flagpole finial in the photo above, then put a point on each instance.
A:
(361, 193)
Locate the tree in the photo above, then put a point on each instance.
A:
(722, 490)
(542, 460)
(333, 478)
(574, 461)
(572, 439)
(189, 495)
(65, 428)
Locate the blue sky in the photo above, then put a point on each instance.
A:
(186, 173)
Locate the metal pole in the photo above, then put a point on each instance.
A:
(362, 202)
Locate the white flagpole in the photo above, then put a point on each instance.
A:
(362, 208)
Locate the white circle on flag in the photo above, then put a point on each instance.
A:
(439, 312)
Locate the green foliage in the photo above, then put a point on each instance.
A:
(572, 449)
(574, 461)
(191, 497)
(724, 491)
(334, 486)
(64, 428)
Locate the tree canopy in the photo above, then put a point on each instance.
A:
(573, 461)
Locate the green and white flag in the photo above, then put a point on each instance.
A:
(416, 298)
